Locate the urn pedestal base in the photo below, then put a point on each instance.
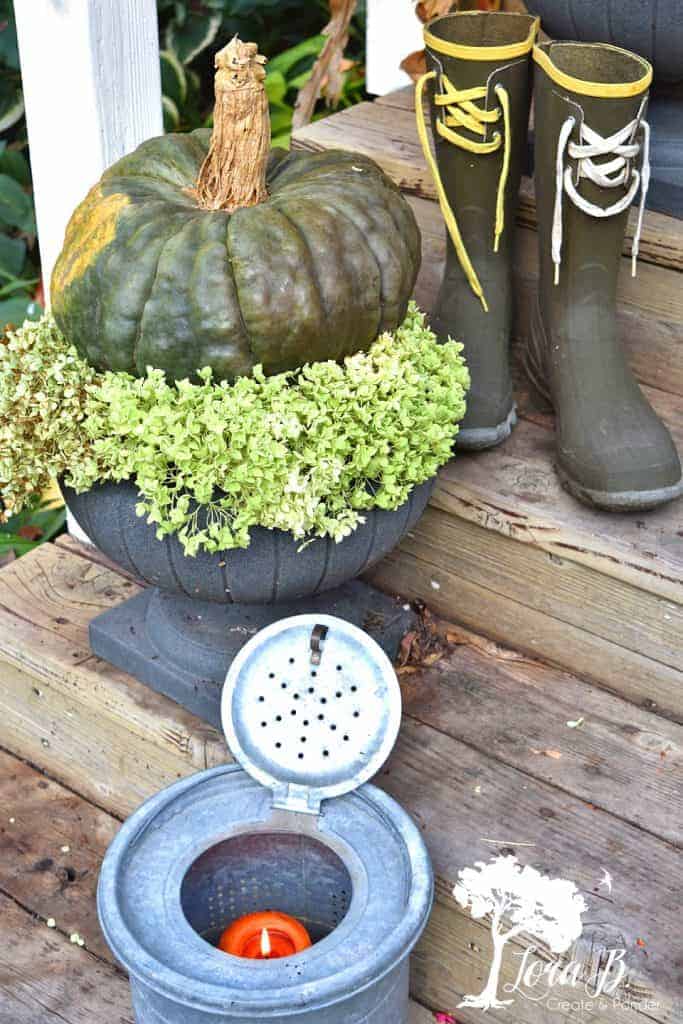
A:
(183, 647)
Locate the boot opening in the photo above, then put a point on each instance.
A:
(596, 62)
(482, 29)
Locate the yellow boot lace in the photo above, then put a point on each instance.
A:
(461, 111)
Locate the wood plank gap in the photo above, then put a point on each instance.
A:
(36, 915)
(627, 674)
(438, 567)
(42, 770)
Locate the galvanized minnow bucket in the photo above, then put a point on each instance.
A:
(311, 710)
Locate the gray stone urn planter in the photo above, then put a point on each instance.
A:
(181, 634)
(653, 29)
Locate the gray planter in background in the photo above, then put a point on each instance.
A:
(652, 28)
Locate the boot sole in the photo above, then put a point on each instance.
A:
(620, 501)
(476, 439)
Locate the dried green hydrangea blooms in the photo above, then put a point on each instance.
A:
(43, 394)
(307, 451)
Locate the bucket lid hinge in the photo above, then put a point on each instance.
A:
(300, 799)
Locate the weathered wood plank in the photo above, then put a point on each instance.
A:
(638, 739)
(610, 745)
(52, 842)
(436, 776)
(612, 609)
(515, 492)
(53, 689)
(649, 311)
(411, 570)
(71, 543)
(44, 978)
(59, 593)
(437, 779)
(386, 131)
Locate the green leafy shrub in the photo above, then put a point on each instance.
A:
(37, 522)
(288, 33)
(19, 276)
(307, 452)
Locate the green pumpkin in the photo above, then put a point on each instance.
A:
(319, 268)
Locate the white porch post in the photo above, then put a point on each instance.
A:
(393, 31)
(92, 89)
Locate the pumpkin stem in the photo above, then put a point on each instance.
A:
(234, 171)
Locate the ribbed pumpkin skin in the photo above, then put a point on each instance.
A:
(147, 278)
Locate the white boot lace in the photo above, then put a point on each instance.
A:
(615, 173)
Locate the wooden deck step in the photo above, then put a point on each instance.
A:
(486, 762)
(502, 548)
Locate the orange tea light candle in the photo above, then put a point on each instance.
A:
(265, 936)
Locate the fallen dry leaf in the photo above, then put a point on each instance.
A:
(428, 9)
(422, 646)
(415, 64)
(466, 638)
(30, 532)
(406, 647)
(555, 754)
(431, 659)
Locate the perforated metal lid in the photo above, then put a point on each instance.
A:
(311, 709)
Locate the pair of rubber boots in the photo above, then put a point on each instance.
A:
(591, 161)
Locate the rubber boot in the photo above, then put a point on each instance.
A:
(592, 161)
(479, 83)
